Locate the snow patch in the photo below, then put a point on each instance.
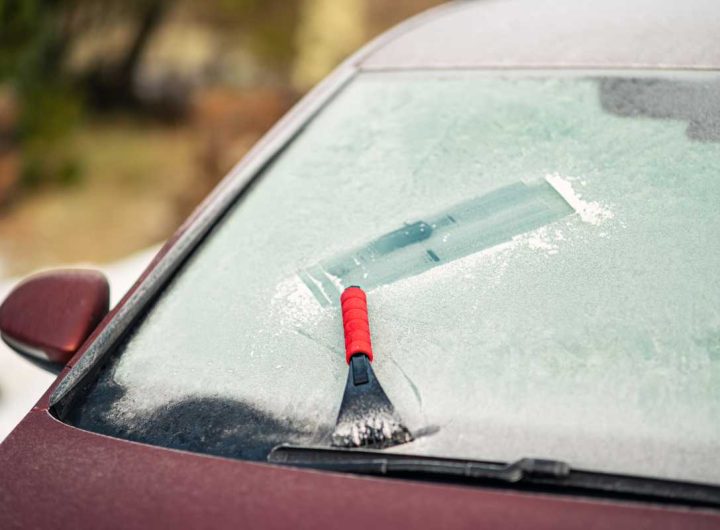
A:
(591, 212)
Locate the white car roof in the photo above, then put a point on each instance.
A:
(673, 34)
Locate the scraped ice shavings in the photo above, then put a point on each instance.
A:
(590, 212)
(540, 240)
(381, 429)
(292, 303)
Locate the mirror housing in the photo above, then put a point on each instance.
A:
(48, 316)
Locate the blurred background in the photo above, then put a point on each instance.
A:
(118, 116)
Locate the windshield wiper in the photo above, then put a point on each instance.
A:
(526, 473)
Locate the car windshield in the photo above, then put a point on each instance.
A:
(541, 256)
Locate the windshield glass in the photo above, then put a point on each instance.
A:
(541, 259)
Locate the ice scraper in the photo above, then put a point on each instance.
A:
(367, 418)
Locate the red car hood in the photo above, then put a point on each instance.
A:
(55, 476)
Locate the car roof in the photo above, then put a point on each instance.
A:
(555, 34)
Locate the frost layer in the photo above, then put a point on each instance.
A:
(594, 340)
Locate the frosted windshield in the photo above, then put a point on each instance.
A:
(569, 310)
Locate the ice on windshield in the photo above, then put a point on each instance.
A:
(592, 338)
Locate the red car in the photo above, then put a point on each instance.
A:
(527, 192)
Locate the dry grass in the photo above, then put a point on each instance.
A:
(134, 175)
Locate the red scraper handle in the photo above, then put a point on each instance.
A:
(355, 323)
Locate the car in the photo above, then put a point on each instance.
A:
(526, 192)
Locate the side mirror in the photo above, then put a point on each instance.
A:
(48, 316)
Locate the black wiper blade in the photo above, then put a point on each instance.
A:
(382, 463)
(526, 473)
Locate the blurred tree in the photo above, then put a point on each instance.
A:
(112, 85)
(35, 39)
(32, 45)
(267, 28)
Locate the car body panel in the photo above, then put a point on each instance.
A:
(77, 479)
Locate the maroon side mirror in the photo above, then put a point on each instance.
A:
(48, 316)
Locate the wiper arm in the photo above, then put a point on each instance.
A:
(381, 463)
(526, 473)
